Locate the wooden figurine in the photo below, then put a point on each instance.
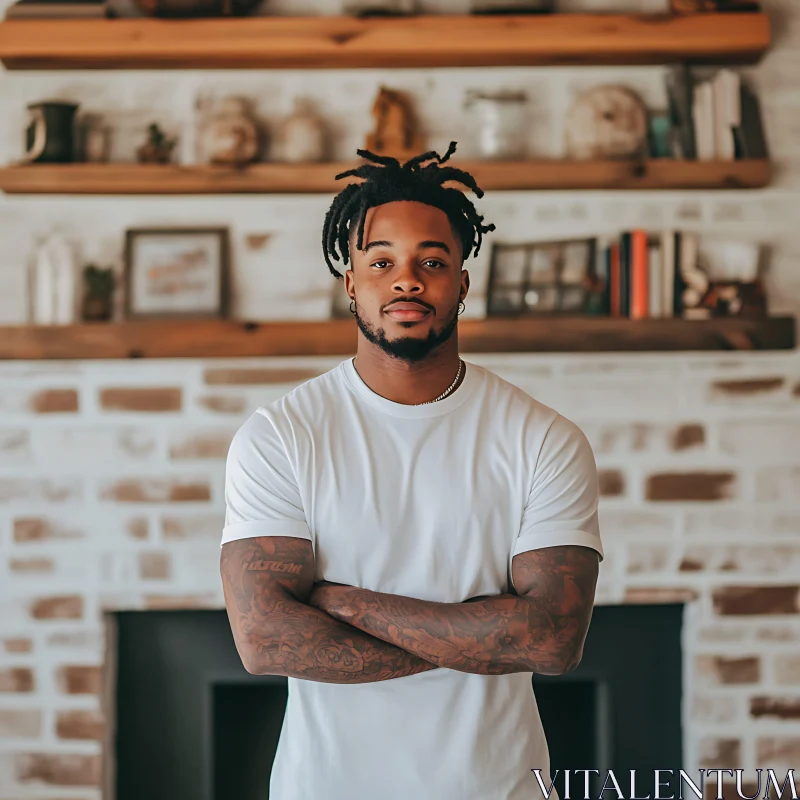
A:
(395, 133)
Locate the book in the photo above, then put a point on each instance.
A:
(679, 99)
(668, 274)
(625, 275)
(640, 274)
(726, 92)
(677, 277)
(614, 304)
(703, 116)
(654, 284)
(749, 135)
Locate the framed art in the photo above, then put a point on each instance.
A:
(540, 277)
(176, 273)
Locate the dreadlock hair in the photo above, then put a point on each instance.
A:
(386, 180)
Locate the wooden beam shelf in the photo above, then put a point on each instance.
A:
(419, 41)
(131, 179)
(229, 339)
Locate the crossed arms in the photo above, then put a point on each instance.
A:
(285, 624)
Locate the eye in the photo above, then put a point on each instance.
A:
(380, 264)
(434, 262)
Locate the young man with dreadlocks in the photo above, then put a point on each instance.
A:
(408, 537)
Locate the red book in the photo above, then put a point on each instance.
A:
(615, 306)
(640, 276)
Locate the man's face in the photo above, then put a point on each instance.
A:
(407, 281)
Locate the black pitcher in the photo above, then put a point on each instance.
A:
(49, 135)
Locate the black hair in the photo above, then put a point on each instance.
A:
(386, 180)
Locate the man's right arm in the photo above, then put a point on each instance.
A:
(267, 581)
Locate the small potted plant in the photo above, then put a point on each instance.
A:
(98, 293)
(157, 149)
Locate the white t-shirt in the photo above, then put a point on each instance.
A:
(427, 501)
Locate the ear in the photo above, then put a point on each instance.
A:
(464, 285)
(349, 284)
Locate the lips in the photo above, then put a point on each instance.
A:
(407, 312)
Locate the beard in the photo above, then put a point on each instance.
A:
(408, 348)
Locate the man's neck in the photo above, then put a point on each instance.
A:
(404, 382)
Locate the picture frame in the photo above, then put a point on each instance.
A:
(541, 278)
(176, 273)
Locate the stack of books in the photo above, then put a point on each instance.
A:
(58, 9)
(714, 120)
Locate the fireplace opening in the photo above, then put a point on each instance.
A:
(192, 723)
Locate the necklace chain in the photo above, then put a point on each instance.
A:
(446, 392)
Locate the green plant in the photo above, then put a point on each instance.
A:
(99, 282)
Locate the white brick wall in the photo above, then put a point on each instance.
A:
(104, 510)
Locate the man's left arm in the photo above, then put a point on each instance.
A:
(541, 629)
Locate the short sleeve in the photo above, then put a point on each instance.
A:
(562, 503)
(261, 494)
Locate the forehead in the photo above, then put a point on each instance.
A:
(407, 221)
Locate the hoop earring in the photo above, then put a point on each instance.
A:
(461, 308)
(352, 306)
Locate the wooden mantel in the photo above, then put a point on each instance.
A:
(418, 41)
(229, 339)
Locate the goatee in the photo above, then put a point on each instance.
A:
(408, 348)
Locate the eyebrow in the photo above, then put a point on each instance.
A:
(421, 246)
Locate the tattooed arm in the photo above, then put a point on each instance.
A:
(542, 629)
(267, 581)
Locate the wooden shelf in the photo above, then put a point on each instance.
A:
(228, 339)
(126, 179)
(345, 42)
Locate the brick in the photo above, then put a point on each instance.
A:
(175, 602)
(74, 679)
(15, 447)
(713, 709)
(722, 633)
(777, 633)
(60, 607)
(80, 724)
(199, 526)
(87, 639)
(96, 444)
(750, 387)
(138, 528)
(20, 724)
(775, 707)
(691, 486)
(623, 522)
(779, 753)
(222, 404)
(648, 558)
(724, 670)
(153, 490)
(611, 482)
(723, 522)
(40, 490)
(59, 769)
(16, 679)
(209, 444)
(151, 400)
(719, 753)
(777, 439)
(687, 437)
(748, 600)
(18, 645)
(154, 566)
(776, 484)
(54, 401)
(787, 668)
(39, 529)
(32, 566)
(249, 376)
(768, 559)
(664, 594)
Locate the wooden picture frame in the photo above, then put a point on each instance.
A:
(179, 251)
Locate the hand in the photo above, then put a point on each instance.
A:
(331, 598)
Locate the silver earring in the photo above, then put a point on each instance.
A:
(461, 308)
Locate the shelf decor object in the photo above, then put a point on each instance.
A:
(274, 178)
(228, 339)
(435, 40)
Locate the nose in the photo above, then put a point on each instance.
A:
(407, 280)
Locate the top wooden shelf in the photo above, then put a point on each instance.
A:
(345, 42)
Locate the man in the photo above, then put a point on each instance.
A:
(408, 537)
